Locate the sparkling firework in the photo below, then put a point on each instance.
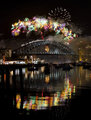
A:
(42, 25)
(60, 13)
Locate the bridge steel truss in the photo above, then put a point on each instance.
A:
(27, 49)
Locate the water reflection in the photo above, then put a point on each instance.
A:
(38, 102)
(37, 90)
(47, 79)
(42, 69)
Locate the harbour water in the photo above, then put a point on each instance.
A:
(42, 93)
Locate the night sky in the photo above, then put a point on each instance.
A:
(13, 11)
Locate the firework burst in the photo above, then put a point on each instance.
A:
(60, 13)
(43, 26)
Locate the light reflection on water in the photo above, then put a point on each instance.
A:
(47, 90)
(38, 102)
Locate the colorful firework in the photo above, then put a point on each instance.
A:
(60, 13)
(41, 24)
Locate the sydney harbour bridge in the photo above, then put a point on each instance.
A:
(50, 51)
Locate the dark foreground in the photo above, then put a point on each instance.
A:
(77, 108)
(56, 80)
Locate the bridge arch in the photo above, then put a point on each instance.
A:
(38, 47)
(58, 52)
